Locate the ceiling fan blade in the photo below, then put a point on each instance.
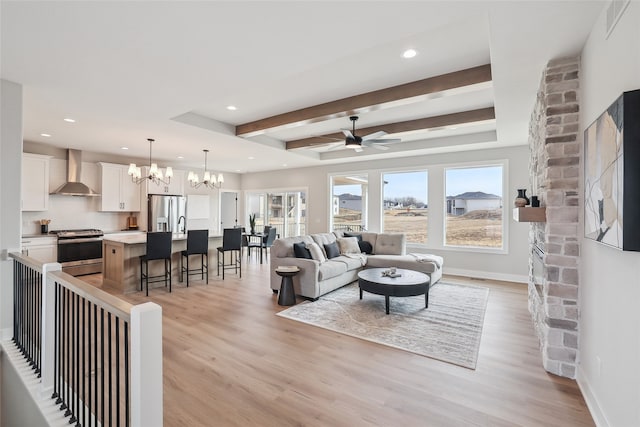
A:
(384, 141)
(374, 135)
(347, 133)
(376, 146)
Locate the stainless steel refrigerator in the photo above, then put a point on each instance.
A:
(166, 213)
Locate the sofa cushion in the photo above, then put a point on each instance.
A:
(349, 245)
(300, 250)
(283, 248)
(352, 261)
(369, 237)
(332, 250)
(330, 269)
(316, 252)
(407, 262)
(323, 239)
(390, 244)
(356, 235)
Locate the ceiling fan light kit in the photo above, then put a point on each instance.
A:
(372, 140)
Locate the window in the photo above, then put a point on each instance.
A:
(286, 211)
(405, 204)
(474, 208)
(349, 202)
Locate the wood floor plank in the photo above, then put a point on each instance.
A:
(230, 361)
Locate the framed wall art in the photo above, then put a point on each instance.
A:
(612, 175)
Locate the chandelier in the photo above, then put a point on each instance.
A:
(155, 173)
(208, 180)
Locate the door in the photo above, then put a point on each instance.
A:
(228, 209)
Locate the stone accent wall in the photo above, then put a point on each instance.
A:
(554, 172)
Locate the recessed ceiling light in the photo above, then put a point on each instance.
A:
(46, 135)
(409, 53)
(284, 165)
(251, 157)
(124, 148)
(68, 120)
(232, 107)
(181, 157)
(237, 170)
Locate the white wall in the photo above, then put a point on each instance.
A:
(610, 279)
(509, 266)
(10, 151)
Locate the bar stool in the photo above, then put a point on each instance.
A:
(197, 244)
(231, 242)
(158, 248)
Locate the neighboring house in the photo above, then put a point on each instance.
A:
(472, 201)
(349, 201)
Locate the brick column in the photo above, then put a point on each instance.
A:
(555, 168)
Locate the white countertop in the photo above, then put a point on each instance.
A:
(38, 236)
(130, 238)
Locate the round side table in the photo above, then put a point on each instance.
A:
(287, 295)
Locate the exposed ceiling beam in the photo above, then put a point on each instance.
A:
(378, 99)
(410, 125)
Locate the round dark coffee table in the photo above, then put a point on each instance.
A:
(287, 295)
(410, 283)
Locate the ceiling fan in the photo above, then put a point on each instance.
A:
(372, 140)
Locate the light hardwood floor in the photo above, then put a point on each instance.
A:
(229, 361)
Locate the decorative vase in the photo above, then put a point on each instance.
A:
(535, 202)
(522, 197)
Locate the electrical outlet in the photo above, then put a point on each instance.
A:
(598, 366)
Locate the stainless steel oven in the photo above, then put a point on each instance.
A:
(80, 251)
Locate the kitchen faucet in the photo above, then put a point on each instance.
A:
(183, 225)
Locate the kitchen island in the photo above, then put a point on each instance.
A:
(121, 260)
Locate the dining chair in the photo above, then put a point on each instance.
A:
(232, 243)
(197, 244)
(265, 242)
(158, 248)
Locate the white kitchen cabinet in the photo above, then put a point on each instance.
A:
(43, 249)
(175, 187)
(35, 182)
(119, 192)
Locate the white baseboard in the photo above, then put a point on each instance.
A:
(486, 275)
(590, 399)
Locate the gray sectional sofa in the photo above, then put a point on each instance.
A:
(318, 277)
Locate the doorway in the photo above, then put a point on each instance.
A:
(228, 209)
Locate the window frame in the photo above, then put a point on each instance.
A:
(279, 190)
(504, 163)
(365, 203)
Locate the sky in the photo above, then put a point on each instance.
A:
(458, 180)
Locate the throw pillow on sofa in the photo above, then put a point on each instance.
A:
(301, 251)
(316, 252)
(357, 236)
(365, 247)
(348, 245)
(332, 250)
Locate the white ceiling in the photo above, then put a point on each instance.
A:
(128, 71)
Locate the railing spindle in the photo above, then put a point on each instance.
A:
(90, 389)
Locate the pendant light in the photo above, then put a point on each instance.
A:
(209, 179)
(155, 173)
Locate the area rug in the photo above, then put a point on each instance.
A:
(449, 330)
